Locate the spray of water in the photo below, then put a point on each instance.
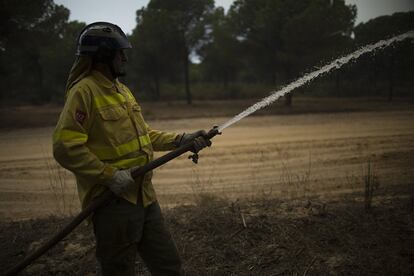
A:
(336, 64)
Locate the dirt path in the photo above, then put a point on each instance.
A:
(283, 156)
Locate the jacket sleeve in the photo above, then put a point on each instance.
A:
(161, 141)
(70, 138)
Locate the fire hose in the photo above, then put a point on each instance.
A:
(102, 200)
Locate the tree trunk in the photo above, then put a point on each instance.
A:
(338, 84)
(157, 85)
(288, 97)
(187, 75)
(391, 77)
(375, 73)
(43, 93)
(274, 71)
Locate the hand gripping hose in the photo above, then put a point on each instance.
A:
(101, 200)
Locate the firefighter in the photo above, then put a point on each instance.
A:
(101, 136)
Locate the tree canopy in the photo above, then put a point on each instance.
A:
(186, 49)
(37, 45)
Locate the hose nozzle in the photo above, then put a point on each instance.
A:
(213, 132)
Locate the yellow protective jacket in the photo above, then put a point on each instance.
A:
(101, 129)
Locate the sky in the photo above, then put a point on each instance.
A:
(122, 12)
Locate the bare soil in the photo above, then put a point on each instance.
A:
(248, 237)
(298, 176)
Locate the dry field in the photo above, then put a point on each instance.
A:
(277, 156)
(276, 194)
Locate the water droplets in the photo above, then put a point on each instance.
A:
(336, 64)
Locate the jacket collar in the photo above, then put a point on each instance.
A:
(104, 81)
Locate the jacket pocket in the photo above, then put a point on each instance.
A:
(112, 113)
(116, 126)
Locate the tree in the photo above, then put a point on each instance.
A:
(287, 36)
(391, 62)
(155, 45)
(221, 54)
(33, 39)
(319, 33)
(188, 19)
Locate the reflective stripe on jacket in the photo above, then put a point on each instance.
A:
(101, 129)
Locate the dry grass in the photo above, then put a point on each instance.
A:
(66, 202)
(251, 237)
(371, 184)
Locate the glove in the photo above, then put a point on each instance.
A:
(120, 182)
(197, 137)
(200, 143)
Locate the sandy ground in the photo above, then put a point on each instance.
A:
(285, 156)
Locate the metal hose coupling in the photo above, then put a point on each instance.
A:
(210, 134)
(213, 132)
